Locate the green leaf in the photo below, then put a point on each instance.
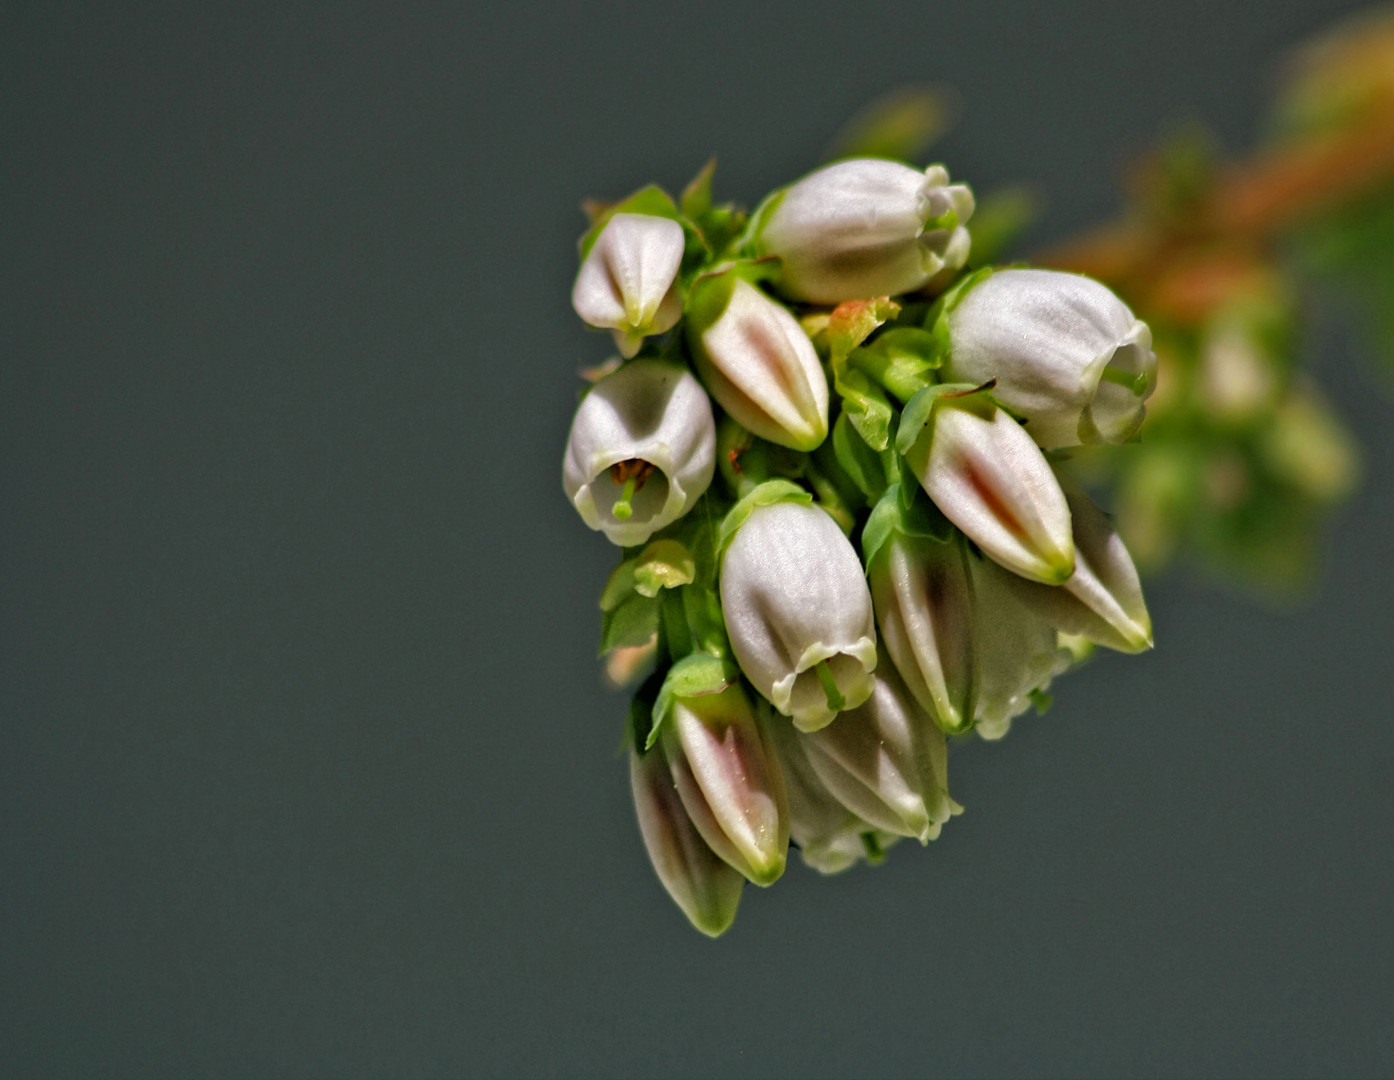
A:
(633, 621)
(902, 360)
(695, 675)
(900, 125)
(866, 406)
(857, 458)
(664, 564)
(766, 494)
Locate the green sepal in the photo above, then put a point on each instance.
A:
(766, 494)
(711, 290)
(631, 621)
(640, 715)
(695, 675)
(902, 360)
(865, 405)
(719, 225)
(858, 460)
(651, 200)
(920, 409)
(890, 515)
(664, 564)
(750, 240)
(1041, 700)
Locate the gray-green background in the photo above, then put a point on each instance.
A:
(305, 768)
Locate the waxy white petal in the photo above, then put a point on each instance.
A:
(762, 368)
(1017, 651)
(987, 476)
(793, 595)
(705, 887)
(866, 227)
(886, 761)
(649, 411)
(1060, 347)
(1102, 600)
(924, 607)
(729, 779)
(628, 280)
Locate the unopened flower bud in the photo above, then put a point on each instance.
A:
(1017, 651)
(1102, 600)
(706, 888)
(798, 612)
(886, 761)
(628, 280)
(1066, 354)
(758, 363)
(865, 227)
(988, 477)
(830, 837)
(729, 780)
(641, 452)
(924, 607)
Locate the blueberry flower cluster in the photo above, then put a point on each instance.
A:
(831, 453)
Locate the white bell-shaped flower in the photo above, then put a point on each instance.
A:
(798, 612)
(830, 837)
(628, 279)
(1067, 354)
(1016, 650)
(729, 780)
(758, 363)
(886, 761)
(865, 227)
(1102, 600)
(641, 452)
(988, 477)
(706, 888)
(924, 607)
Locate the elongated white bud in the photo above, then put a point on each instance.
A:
(863, 228)
(798, 613)
(830, 837)
(1102, 600)
(641, 452)
(628, 280)
(1017, 651)
(729, 780)
(886, 761)
(924, 608)
(707, 889)
(1066, 354)
(759, 364)
(988, 477)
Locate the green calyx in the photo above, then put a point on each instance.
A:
(919, 412)
(695, 675)
(894, 513)
(766, 494)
